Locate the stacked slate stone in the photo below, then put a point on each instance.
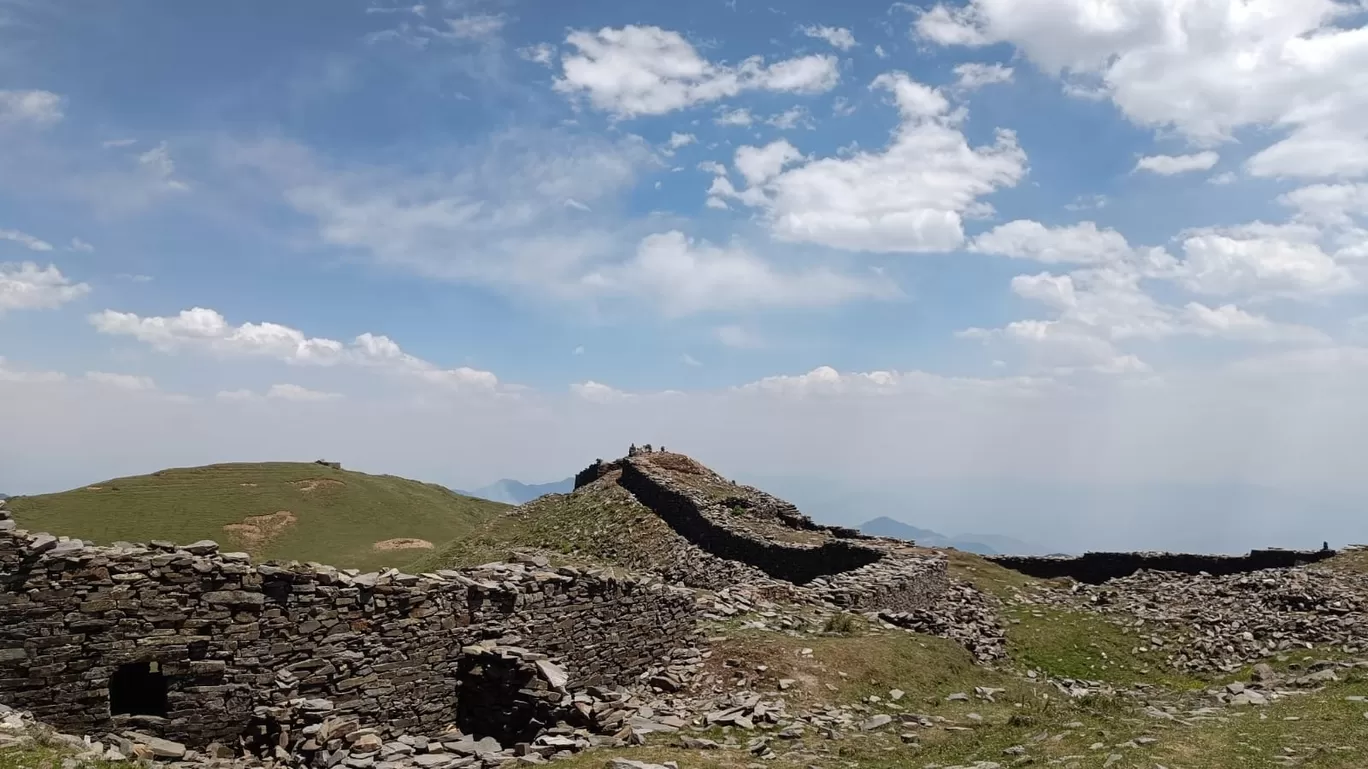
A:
(771, 536)
(207, 638)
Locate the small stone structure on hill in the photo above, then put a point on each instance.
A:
(191, 644)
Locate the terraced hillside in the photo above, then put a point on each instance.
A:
(274, 510)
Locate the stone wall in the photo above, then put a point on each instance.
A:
(227, 635)
(1096, 568)
(686, 514)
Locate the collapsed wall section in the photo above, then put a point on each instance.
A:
(1096, 568)
(220, 636)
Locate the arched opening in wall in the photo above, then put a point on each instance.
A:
(137, 689)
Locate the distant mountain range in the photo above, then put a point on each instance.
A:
(512, 492)
(983, 544)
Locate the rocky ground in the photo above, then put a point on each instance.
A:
(1154, 670)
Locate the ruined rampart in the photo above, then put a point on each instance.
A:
(686, 514)
(185, 642)
(1096, 568)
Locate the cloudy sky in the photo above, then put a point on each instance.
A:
(1002, 241)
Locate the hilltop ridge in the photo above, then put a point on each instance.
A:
(307, 511)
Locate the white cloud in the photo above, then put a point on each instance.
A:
(1081, 243)
(37, 108)
(598, 393)
(158, 164)
(678, 140)
(207, 330)
(838, 37)
(758, 165)
(1169, 165)
(1219, 262)
(494, 214)
(683, 276)
(910, 197)
(541, 53)
(690, 360)
(1231, 322)
(293, 392)
(1332, 204)
(579, 350)
(646, 70)
(1204, 68)
(791, 118)
(26, 287)
(112, 143)
(479, 27)
(80, 246)
(122, 381)
(973, 75)
(25, 240)
(827, 381)
(26, 376)
(734, 117)
(880, 52)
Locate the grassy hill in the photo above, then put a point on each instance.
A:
(274, 510)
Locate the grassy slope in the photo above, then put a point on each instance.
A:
(601, 523)
(337, 522)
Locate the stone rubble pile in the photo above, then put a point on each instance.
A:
(962, 614)
(1223, 623)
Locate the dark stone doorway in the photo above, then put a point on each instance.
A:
(137, 689)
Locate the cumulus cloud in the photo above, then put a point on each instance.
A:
(837, 37)
(1081, 243)
(734, 117)
(910, 197)
(1203, 68)
(646, 70)
(27, 287)
(208, 331)
(1169, 165)
(34, 108)
(1223, 262)
(973, 75)
(686, 276)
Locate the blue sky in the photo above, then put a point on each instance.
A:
(463, 240)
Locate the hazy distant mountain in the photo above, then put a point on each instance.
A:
(983, 544)
(4, 496)
(513, 492)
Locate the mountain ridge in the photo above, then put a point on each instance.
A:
(514, 492)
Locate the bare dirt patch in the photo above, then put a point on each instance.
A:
(403, 543)
(94, 488)
(316, 483)
(258, 530)
(253, 485)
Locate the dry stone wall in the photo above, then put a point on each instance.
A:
(1096, 568)
(688, 514)
(198, 639)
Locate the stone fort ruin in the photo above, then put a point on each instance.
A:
(197, 646)
(188, 643)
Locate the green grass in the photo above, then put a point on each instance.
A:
(1081, 645)
(1330, 732)
(602, 524)
(339, 521)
